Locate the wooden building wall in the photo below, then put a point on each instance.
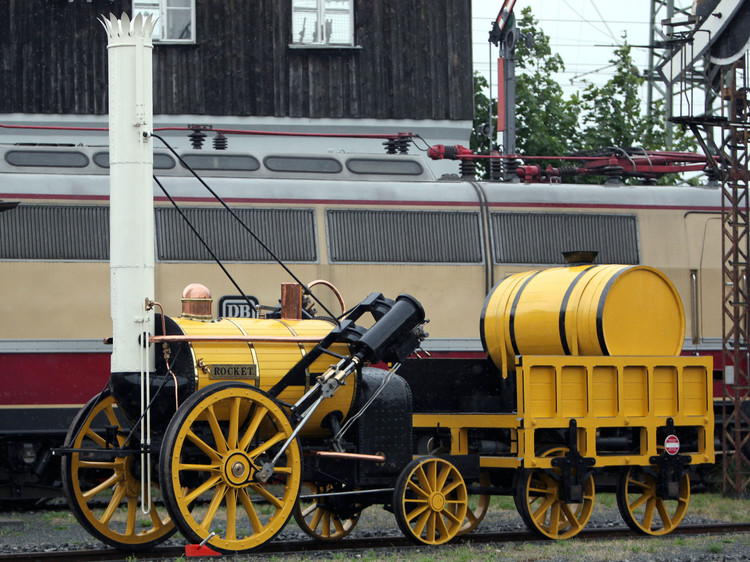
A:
(412, 61)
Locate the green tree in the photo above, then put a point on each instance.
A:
(546, 122)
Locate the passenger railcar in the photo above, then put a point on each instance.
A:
(337, 216)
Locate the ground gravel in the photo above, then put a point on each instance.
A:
(54, 528)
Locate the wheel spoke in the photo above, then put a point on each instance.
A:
(231, 501)
(132, 507)
(234, 422)
(638, 502)
(317, 516)
(442, 477)
(114, 501)
(430, 530)
(661, 508)
(570, 516)
(250, 510)
(203, 446)
(440, 525)
(213, 422)
(195, 493)
(95, 437)
(424, 482)
(106, 485)
(218, 496)
(258, 451)
(411, 485)
(648, 516)
(258, 414)
(265, 494)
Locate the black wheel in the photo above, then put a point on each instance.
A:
(215, 445)
(103, 491)
(430, 500)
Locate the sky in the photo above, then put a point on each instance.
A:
(584, 32)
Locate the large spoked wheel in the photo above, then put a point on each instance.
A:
(477, 507)
(430, 500)
(319, 522)
(641, 507)
(104, 490)
(214, 447)
(538, 500)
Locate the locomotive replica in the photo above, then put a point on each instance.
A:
(225, 428)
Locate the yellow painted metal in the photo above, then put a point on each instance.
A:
(319, 522)
(583, 310)
(642, 507)
(430, 500)
(614, 392)
(266, 362)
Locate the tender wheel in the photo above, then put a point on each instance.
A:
(430, 500)
(477, 507)
(320, 523)
(104, 491)
(642, 508)
(537, 498)
(214, 447)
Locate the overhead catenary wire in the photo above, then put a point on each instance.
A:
(244, 226)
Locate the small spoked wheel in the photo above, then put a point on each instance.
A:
(214, 450)
(540, 503)
(104, 488)
(477, 507)
(430, 500)
(641, 506)
(319, 522)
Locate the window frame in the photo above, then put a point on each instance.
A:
(320, 12)
(163, 16)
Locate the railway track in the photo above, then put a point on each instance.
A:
(358, 544)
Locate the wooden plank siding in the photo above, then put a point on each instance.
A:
(412, 60)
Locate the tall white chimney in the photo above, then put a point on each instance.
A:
(131, 190)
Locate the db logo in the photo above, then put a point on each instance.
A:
(238, 307)
(672, 444)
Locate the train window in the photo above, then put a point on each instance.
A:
(229, 162)
(161, 161)
(403, 236)
(384, 166)
(540, 238)
(55, 232)
(47, 158)
(290, 233)
(302, 164)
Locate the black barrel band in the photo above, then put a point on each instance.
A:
(564, 306)
(512, 322)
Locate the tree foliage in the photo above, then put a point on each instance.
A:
(600, 117)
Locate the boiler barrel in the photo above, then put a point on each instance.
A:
(583, 310)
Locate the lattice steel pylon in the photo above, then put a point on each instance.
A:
(730, 162)
(735, 248)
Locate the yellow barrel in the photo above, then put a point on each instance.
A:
(264, 363)
(583, 310)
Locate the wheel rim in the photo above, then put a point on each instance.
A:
(318, 522)
(642, 508)
(477, 507)
(430, 501)
(541, 507)
(104, 493)
(215, 444)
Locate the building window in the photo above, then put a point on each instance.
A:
(324, 23)
(175, 21)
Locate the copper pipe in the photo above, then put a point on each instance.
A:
(247, 339)
(353, 456)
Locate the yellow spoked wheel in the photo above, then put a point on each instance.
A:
(643, 509)
(538, 500)
(477, 507)
(103, 490)
(320, 523)
(214, 448)
(430, 500)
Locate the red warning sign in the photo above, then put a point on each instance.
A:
(672, 444)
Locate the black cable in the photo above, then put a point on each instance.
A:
(205, 244)
(247, 228)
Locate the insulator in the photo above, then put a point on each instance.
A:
(220, 142)
(496, 168)
(511, 165)
(390, 146)
(196, 138)
(566, 171)
(402, 143)
(613, 173)
(468, 168)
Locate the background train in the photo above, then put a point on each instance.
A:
(334, 216)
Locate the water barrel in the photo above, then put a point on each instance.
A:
(583, 310)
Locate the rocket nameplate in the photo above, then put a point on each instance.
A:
(234, 371)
